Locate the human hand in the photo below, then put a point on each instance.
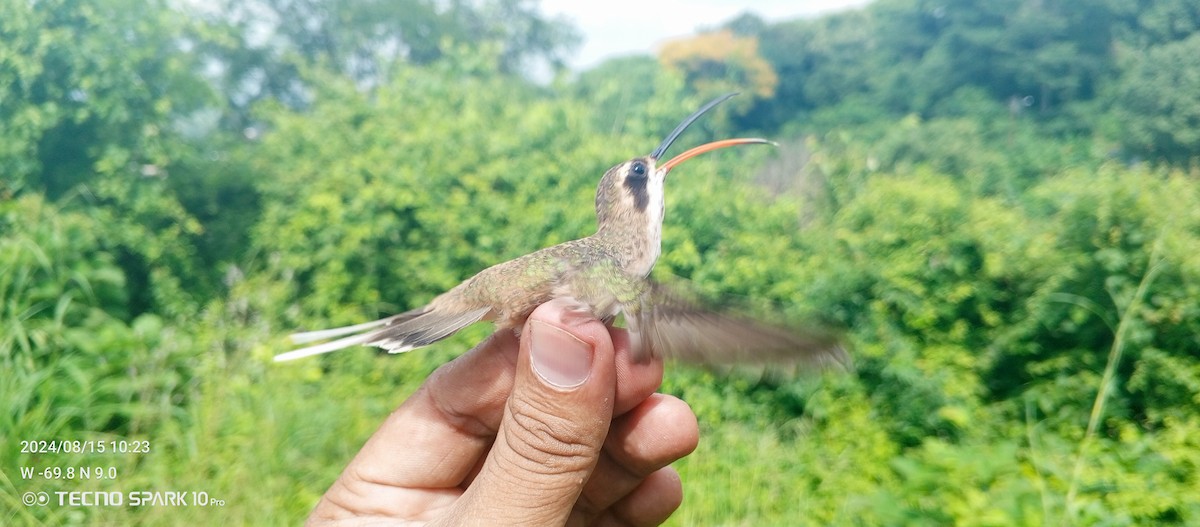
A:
(562, 427)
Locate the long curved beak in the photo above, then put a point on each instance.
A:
(671, 137)
(709, 147)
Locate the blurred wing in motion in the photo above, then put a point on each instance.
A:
(667, 325)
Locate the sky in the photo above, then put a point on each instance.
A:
(622, 27)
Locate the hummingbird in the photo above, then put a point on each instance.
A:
(606, 274)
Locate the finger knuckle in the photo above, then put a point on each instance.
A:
(550, 443)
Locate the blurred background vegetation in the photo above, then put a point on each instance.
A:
(1001, 200)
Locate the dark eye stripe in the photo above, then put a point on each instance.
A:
(635, 183)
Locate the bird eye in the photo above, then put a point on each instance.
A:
(638, 168)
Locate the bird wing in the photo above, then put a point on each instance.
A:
(666, 324)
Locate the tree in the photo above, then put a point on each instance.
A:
(720, 61)
(1158, 97)
(1154, 22)
(91, 91)
(819, 63)
(264, 47)
(96, 100)
(1055, 52)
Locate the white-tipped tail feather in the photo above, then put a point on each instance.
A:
(313, 336)
(424, 330)
(323, 348)
(396, 334)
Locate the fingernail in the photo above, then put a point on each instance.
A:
(558, 357)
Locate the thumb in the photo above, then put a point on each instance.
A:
(554, 423)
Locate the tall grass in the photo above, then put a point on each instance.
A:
(1127, 316)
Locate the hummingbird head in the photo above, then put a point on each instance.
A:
(629, 200)
(630, 189)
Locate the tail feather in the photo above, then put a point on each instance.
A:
(399, 333)
(313, 336)
(318, 349)
(424, 330)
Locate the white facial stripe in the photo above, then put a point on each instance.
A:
(653, 216)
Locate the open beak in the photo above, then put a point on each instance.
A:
(709, 147)
(662, 147)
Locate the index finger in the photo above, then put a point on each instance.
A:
(413, 464)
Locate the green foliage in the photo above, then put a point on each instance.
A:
(817, 63)
(909, 55)
(73, 367)
(265, 47)
(1057, 66)
(89, 90)
(389, 202)
(1162, 21)
(93, 97)
(1117, 227)
(1157, 100)
(64, 303)
(647, 108)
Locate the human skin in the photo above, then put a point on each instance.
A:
(558, 427)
